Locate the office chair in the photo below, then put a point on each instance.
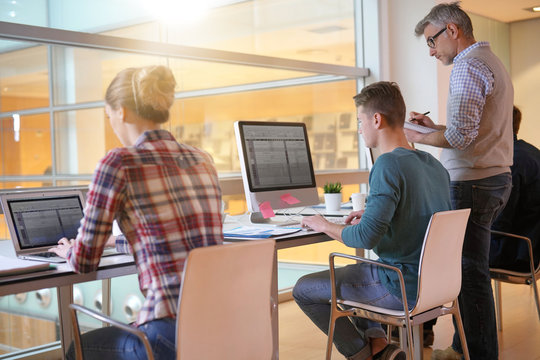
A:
(439, 283)
(515, 277)
(225, 305)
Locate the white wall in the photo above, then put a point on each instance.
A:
(424, 81)
(406, 58)
(525, 71)
(409, 62)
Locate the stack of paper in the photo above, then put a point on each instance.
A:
(259, 232)
(14, 266)
(419, 128)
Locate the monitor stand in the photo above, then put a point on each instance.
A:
(257, 219)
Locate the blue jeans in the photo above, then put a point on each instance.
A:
(357, 282)
(486, 198)
(115, 344)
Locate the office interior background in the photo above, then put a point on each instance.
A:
(268, 60)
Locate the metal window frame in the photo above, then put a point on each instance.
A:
(51, 36)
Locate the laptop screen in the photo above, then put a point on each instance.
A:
(42, 221)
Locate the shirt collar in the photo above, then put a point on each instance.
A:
(153, 135)
(476, 45)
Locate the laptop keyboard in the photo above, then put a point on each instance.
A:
(46, 254)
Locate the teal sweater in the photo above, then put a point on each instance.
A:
(406, 188)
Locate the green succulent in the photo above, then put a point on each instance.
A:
(332, 188)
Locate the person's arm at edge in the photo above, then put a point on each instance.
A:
(435, 138)
(320, 224)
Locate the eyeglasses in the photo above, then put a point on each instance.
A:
(431, 40)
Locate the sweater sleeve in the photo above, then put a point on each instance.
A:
(381, 205)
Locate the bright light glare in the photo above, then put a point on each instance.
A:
(16, 127)
(177, 11)
(536, 8)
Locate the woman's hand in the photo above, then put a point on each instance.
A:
(63, 247)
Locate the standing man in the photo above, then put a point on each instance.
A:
(477, 152)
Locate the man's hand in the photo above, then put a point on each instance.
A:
(317, 223)
(63, 247)
(354, 217)
(320, 224)
(421, 119)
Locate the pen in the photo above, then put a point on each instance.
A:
(427, 112)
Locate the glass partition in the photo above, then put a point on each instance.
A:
(263, 60)
(25, 145)
(24, 76)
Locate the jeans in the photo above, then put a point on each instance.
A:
(357, 282)
(486, 198)
(115, 344)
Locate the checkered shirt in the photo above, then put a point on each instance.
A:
(471, 81)
(166, 199)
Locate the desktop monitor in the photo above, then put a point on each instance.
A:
(276, 164)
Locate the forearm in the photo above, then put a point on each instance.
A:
(334, 231)
(436, 138)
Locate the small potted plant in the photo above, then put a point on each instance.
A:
(332, 196)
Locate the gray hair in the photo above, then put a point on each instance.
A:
(443, 14)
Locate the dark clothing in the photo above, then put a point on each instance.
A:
(521, 215)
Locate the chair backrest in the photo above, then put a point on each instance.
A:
(439, 274)
(225, 305)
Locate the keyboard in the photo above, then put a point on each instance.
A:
(45, 254)
(340, 220)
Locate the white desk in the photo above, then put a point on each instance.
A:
(63, 278)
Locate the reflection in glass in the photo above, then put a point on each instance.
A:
(25, 145)
(24, 76)
(82, 75)
(82, 137)
(327, 109)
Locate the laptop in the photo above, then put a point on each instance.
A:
(37, 220)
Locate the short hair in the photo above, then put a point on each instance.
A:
(383, 97)
(516, 119)
(148, 91)
(444, 14)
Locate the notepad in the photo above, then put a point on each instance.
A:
(13, 266)
(259, 232)
(419, 128)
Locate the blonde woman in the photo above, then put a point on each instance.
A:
(166, 199)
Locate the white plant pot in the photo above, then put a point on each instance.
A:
(332, 201)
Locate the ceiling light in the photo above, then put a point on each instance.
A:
(533, 9)
(176, 11)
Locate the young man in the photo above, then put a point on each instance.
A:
(406, 187)
(477, 152)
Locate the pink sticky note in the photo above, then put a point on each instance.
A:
(289, 199)
(266, 210)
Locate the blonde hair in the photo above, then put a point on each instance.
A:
(148, 91)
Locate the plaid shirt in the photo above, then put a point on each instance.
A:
(471, 81)
(167, 201)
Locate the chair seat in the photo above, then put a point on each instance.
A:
(398, 315)
(371, 308)
(513, 277)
